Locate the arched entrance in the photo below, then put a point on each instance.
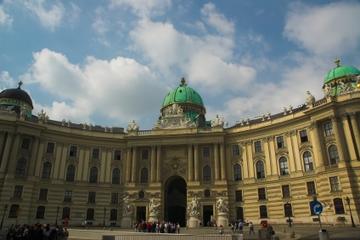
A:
(175, 200)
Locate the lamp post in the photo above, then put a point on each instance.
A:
(347, 199)
(57, 215)
(3, 216)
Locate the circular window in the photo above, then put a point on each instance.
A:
(141, 194)
(207, 193)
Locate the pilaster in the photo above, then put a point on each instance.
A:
(190, 163)
(134, 165)
(315, 141)
(348, 138)
(216, 161)
(196, 162)
(222, 162)
(6, 153)
(355, 127)
(153, 164)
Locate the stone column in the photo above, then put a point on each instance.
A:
(153, 164)
(128, 165)
(245, 161)
(315, 141)
(134, 165)
(216, 160)
(190, 163)
(295, 146)
(339, 139)
(250, 159)
(34, 154)
(222, 162)
(274, 161)
(6, 152)
(196, 162)
(158, 162)
(291, 152)
(13, 155)
(267, 153)
(349, 140)
(355, 128)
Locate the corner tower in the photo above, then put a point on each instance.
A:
(182, 108)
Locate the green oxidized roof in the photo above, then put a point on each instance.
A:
(340, 71)
(182, 94)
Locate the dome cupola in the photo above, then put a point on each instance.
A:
(16, 99)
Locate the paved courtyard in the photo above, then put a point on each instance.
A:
(302, 232)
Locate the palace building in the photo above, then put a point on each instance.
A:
(186, 168)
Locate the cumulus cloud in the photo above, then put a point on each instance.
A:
(118, 89)
(217, 20)
(143, 8)
(49, 15)
(5, 19)
(327, 29)
(6, 81)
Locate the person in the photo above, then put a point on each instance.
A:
(241, 225)
(221, 231)
(251, 228)
(178, 228)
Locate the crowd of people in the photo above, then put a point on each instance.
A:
(37, 232)
(157, 227)
(238, 226)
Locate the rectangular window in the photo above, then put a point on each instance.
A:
(311, 210)
(262, 193)
(328, 130)
(18, 191)
(238, 196)
(334, 184)
(280, 142)
(263, 211)
(117, 155)
(113, 215)
(91, 197)
(303, 136)
(285, 191)
(257, 146)
(50, 148)
(95, 153)
(206, 152)
(73, 151)
(43, 194)
(235, 150)
(90, 214)
(311, 188)
(25, 143)
(114, 198)
(13, 212)
(144, 154)
(67, 196)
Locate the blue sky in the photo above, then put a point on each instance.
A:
(108, 62)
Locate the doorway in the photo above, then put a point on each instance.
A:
(175, 200)
(240, 213)
(141, 213)
(207, 214)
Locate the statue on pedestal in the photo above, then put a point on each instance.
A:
(133, 126)
(154, 210)
(194, 213)
(127, 213)
(223, 209)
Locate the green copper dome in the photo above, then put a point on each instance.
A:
(340, 71)
(182, 94)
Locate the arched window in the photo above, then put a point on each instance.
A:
(46, 170)
(260, 170)
(308, 161)
(207, 173)
(237, 172)
(144, 175)
(115, 176)
(66, 213)
(333, 155)
(283, 164)
(40, 212)
(20, 169)
(70, 173)
(90, 214)
(339, 206)
(263, 211)
(93, 175)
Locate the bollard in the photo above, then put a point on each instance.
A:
(323, 235)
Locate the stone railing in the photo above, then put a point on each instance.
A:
(164, 236)
(320, 102)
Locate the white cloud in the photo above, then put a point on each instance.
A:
(217, 20)
(6, 81)
(143, 8)
(118, 89)
(5, 19)
(330, 29)
(50, 16)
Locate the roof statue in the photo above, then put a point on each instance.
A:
(217, 122)
(133, 126)
(310, 99)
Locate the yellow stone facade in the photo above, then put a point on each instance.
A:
(47, 167)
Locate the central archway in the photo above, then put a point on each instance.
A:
(175, 200)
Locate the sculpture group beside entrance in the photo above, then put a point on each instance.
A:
(194, 213)
(127, 213)
(154, 210)
(222, 212)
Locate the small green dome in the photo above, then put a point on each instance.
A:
(340, 71)
(182, 94)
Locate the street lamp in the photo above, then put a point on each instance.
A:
(3, 216)
(57, 215)
(347, 199)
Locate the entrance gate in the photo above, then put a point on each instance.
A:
(175, 200)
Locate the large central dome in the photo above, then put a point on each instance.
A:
(182, 94)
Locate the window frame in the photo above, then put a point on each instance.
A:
(263, 213)
(303, 138)
(280, 142)
(313, 186)
(308, 161)
(258, 146)
(262, 194)
(283, 166)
